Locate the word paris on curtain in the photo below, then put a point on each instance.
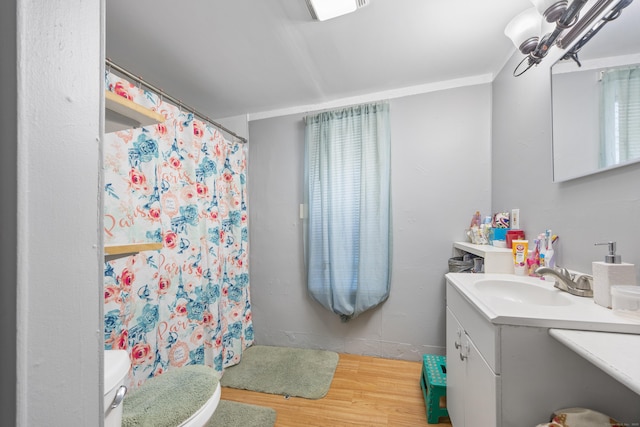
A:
(347, 230)
(180, 183)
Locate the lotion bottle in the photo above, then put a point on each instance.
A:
(519, 249)
(610, 272)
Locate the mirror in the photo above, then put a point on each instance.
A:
(589, 126)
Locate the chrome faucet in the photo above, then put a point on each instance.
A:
(580, 287)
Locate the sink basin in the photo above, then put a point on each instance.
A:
(512, 291)
(507, 299)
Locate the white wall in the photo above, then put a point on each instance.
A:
(583, 211)
(59, 265)
(440, 176)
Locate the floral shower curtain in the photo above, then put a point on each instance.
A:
(180, 183)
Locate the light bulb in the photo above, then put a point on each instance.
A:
(524, 30)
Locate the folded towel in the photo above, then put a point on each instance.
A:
(581, 417)
(170, 398)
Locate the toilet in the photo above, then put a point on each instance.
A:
(116, 368)
(141, 404)
(184, 396)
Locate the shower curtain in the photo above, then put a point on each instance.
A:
(180, 183)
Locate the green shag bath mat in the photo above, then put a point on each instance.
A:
(283, 370)
(230, 413)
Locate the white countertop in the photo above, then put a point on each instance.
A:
(616, 354)
(576, 313)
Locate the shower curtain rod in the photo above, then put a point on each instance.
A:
(110, 64)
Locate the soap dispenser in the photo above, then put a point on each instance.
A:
(610, 272)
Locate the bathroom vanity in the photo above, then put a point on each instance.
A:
(504, 367)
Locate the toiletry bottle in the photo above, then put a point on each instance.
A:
(543, 250)
(533, 261)
(550, 254)
(485, 227)
(475, 220)
(519, 249)
(610, 272)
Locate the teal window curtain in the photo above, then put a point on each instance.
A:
(620, 116)
(347, 233)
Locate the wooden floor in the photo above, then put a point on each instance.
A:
(366, 391)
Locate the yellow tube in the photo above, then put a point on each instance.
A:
(520, 250)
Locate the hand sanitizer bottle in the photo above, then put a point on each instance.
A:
(610, 272)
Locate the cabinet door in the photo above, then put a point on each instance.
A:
(481, 392)
(456, 371)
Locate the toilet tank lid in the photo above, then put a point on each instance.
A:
(116, 367)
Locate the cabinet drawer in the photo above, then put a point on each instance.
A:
(484, 334)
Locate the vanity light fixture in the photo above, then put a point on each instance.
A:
(321, 10)
(558, 22)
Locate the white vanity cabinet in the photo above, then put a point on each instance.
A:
(503, 372)
(472, 385)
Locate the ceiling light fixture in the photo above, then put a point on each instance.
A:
(558, 22)
(322, 10)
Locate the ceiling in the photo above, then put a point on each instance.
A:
(233, 57)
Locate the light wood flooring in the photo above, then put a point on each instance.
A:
(366, 391)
